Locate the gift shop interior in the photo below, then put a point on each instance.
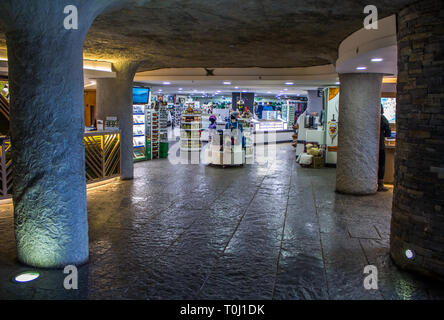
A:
(197, 115)
(240, 150)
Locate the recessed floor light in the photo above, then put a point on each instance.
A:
(26, 277)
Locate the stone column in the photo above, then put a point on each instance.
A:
(114, 98)
(417, 229)
(358, 134)
(47, 125)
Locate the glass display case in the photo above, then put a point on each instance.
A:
(269, 125)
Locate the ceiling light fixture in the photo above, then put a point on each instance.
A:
(377, 60)
(289, 83)
(227, 83)
(361, 68)
(167, 83)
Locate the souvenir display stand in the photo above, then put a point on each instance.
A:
(190, 136)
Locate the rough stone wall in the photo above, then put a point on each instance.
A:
(114, 98)
(418, 206)
(358, 139)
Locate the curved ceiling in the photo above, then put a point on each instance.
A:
(228, 33)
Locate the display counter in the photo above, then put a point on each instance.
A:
(229, 148)
(271, 131)
(102, 155)
(102, 159)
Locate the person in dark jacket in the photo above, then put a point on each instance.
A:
(386, 132)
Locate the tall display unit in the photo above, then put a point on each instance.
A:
(190, 136)
(140, 104)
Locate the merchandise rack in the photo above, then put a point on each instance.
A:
(139, 130)
(163, 124)
(155, 134)
(190, 136)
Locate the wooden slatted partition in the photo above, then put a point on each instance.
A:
(4, 107)
(102, 160)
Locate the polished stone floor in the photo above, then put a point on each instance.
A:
(269, 231)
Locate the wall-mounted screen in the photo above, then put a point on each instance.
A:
(141, 95)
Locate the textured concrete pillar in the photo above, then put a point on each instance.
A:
(47, 125)
(418, 204)
(358, 134)
(115, 99)
(314, 102)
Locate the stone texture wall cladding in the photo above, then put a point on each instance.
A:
(358, 139)
(418, 205)
(47, 124)
(114, 98)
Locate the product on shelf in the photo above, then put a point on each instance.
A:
(190, 135)
(139, 142)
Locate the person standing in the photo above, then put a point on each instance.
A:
(385, 132)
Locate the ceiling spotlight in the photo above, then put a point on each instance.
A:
(236, 87)
(377, 60)
(26, 277)
(167, 83)
(227, 83)
(361, 68)
(289, 83)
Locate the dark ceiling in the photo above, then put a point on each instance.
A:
(229, 33)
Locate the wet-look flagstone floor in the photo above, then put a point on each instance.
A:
(270, 231)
